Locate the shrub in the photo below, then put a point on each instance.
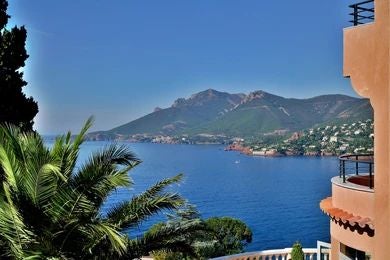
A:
(297, 252)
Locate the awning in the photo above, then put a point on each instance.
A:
(345, 217)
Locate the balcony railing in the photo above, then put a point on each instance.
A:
(363, 12)
(360, 165)
(322, 252)
(278, 254)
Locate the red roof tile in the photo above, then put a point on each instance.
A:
(344, 216)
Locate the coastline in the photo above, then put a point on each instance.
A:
(273, 152)
(234, 147)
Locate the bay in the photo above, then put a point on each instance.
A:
(277, 197)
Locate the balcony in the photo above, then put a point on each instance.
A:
(362, 12)
(351, 207)
(357, 169)
(352, 198)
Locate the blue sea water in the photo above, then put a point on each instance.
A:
(277, 197)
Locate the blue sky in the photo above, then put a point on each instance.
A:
(118, 60)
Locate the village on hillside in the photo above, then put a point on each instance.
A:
(328, 140)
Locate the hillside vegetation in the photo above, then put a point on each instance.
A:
(213, 116)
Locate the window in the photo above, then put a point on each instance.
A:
(349, 253)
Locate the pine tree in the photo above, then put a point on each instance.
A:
(15, 107)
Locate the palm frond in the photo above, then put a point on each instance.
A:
(161, 185)
(96, 232)
(41, 185)
(63, 152)
(104, 172)
(34, 170)
(79, 139)
(12, 229)
(141, 207)
(67, 151)
(68, 204)
(10, 167)
(9, 137)
(170, 236)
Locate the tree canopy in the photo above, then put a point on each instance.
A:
(213, 237)
(15, 107)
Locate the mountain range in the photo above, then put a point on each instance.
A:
(211, 113)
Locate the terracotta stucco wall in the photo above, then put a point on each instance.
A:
(350, 238)
(356, 202)
(366, 62)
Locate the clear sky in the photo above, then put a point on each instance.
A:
(120, 59)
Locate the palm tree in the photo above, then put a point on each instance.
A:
(51, 208)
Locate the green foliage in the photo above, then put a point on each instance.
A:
(49, 208)
(230, 235)
(167, 255)
(182, 229)
(202, 239)
(297, 252)
(15, 107)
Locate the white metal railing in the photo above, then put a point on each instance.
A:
(322, 250)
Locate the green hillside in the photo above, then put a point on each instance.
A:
(184, 114)
(217, 113)
(261, 112)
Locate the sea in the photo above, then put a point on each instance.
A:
(277, 197)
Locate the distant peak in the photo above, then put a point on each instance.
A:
(157, 109)
(258, 94)
(178, 102)
(207, 92)
(207, 96)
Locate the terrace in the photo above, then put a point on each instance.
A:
(351, 207)
(352, 201)
(356, 170)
